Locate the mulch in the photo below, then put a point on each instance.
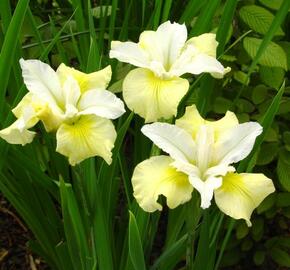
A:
(14, 236)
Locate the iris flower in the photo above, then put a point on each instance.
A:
(74, 104)
(155, 89)
(201, 154)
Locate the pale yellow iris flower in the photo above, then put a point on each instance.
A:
(155, 89)
(74, 104)
(201, 153)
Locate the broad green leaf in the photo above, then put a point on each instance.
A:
(257, 229)
(241, 77)
(267, 153)
(258, 19)
(272, 76)
(242, 230)
(245, 106)
(135, 245)
(221, 105)
(259, 257)
(286, 47)
(273, 56)
(267, 204)
(273, 4)
(280, 256)
(259, 94)
(283, 199)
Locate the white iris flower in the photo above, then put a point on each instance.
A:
(155, 89)
(200, 157)
(74, 104)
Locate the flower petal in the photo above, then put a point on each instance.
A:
(205, 43)
(129, 52)
(17, 133)
(240, 194)
(89, 136)
(151, 97)
(197, 63)
(191, 121)
(99, 79)
(41, 80)
(172, 140)
(101, 103)
(205, 188)
(154, 177)
(236, 143)
(164, 45)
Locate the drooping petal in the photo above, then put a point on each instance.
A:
(17, 133)
(154, 177)
(25, 105)
(172, 140)
(95, 80)
(151, 97)
(129, 52)
(38, 110)
(205, 188)
(240, 194)
(101, 103)
(205, 43)
(191, 122)
(89, 136)
(41, 80)
(197, 63)
(236, 142)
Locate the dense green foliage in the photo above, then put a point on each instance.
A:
(87, 218)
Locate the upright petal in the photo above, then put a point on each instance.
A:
(41, 80)
(151, 97)
(154, 177)
(236, 143)
(129, 52)
(89, 136)
(165, 44)
(101, 103)
(240, 194)
(191, 121)
(172, 140)
(95, 80)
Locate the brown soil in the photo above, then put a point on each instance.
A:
(14, 236)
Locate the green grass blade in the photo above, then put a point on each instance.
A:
(8, 49)
(204, 20)
(224, 25)
(135, 245)
(166, 259)
(191, 9)
(166, 10)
